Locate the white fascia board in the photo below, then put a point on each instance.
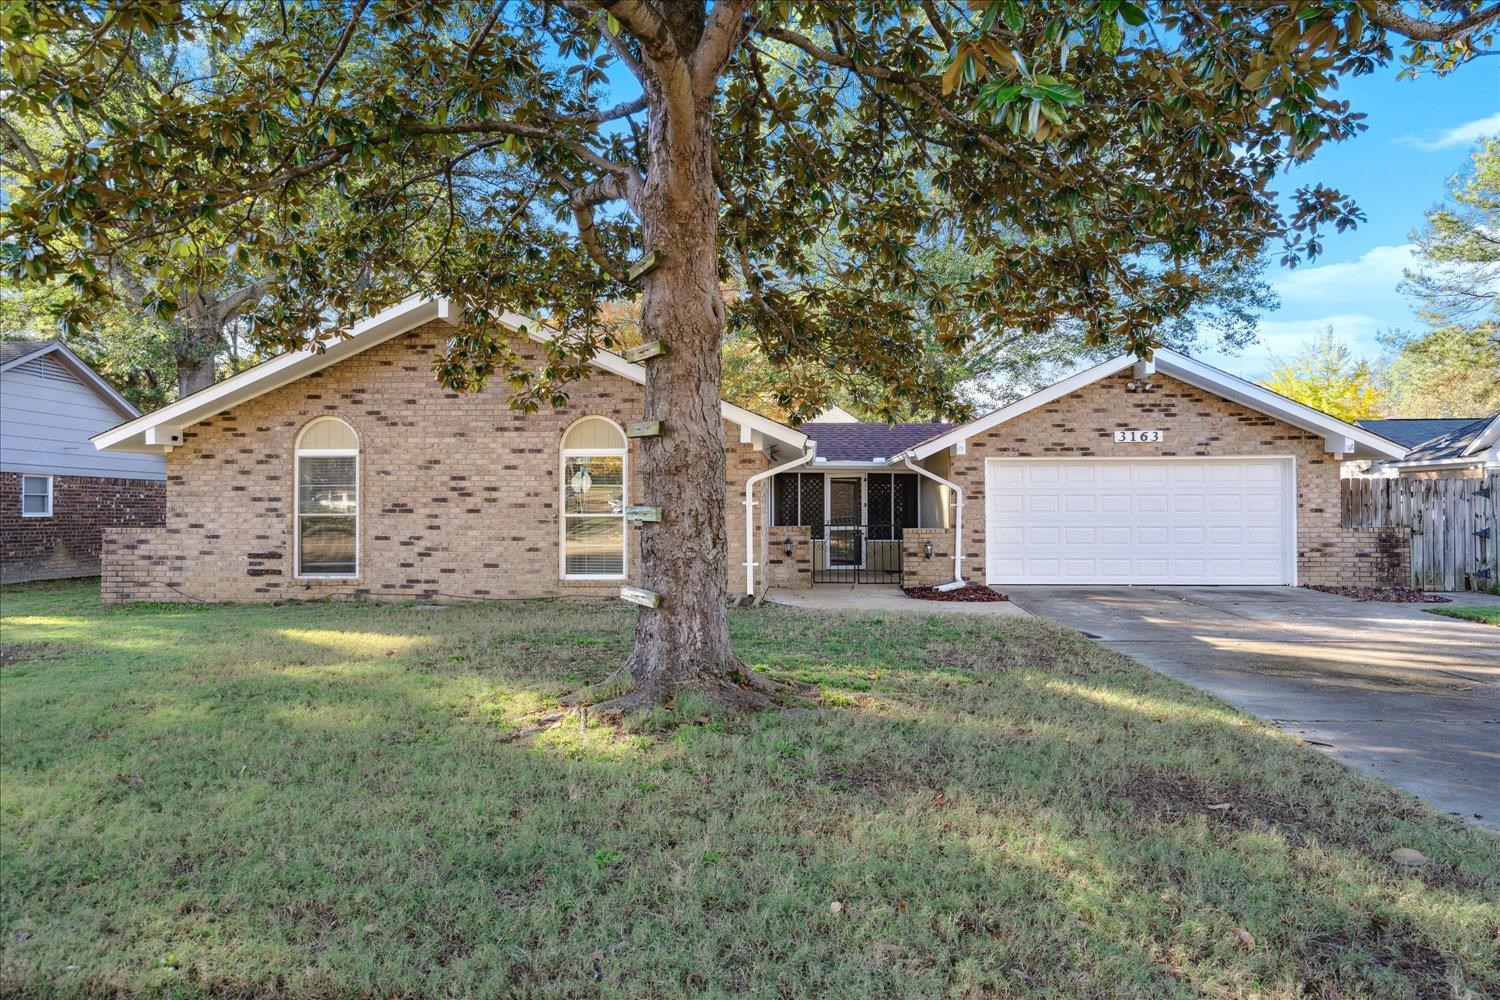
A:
(1229, 386)
(1039, 398)
(1490, 435)
(1194, 373)
(1443, 463)
(367, 333)
(636, 373)
(273, 374)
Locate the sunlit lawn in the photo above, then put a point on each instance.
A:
(319, 800)
(1487, 614)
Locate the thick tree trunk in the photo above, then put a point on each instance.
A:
(684, 644)
(198, 341)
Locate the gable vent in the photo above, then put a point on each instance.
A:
(48, 368)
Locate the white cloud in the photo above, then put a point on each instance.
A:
(1364, 284)
(1459, 135)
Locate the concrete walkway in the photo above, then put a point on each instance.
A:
(881, 597)
(1409, 697)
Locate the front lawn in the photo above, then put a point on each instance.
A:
(321, 800)
(1486, 614)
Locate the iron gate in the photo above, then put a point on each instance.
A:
(856, 553)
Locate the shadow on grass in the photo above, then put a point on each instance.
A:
(317, 800)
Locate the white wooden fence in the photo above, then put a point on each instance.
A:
(1455, 526)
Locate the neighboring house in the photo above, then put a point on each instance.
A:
(57, 492)
(1440, 449)
(350, 472)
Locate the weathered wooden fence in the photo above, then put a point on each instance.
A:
(1455, 525)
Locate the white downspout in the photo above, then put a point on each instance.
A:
(958, 520)
(750, 563)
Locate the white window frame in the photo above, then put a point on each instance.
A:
(48, 511)
(562, 508)
(298, 453)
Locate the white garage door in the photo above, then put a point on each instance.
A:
(1162, 521)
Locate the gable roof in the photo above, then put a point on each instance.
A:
(15, 350)
(162, 429)
(15, 353)
(854, 441)
(1412, 431)
(1349, 439)
(1461, 444)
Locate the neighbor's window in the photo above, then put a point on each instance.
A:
(36, 496)
(327, 499)
(593, 500)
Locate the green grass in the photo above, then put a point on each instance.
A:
(1486, 614)
(318, 800)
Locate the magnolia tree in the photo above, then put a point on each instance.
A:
(545, 157)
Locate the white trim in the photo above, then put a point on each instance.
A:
(1290, 499)
(563, 455)
(376, 329)
(34, 475)
(75, 364)
(359, 498)
(958, 514)
(767, 521)
(1187, 370)
(1486, 437)
(275, 373)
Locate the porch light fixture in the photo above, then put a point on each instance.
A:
(927, 547)
(581, 482)
(790, 548)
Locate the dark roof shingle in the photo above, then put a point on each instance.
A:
(846, 442)
(1448, 444)
(1413, 431)
(10, 350)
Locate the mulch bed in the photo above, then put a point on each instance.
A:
(1388, 595)
(972, 593)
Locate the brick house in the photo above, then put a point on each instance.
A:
(349, 471)
(57, 492)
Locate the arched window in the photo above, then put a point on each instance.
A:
(593, 500)
(327, 485)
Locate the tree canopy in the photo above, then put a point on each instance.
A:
(1100, 157)
(1326, 375)
(1453, 368)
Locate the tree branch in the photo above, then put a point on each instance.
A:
(482, 34)
(622, 51)
(339, 49)
(646, 25)
(725, 28)
(1391, 17)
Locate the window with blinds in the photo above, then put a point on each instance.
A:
(593, 500)
(327, 499)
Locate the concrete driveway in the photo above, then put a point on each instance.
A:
(1398, 693)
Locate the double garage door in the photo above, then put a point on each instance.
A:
(1146, 521)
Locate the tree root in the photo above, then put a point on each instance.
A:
(738, 688)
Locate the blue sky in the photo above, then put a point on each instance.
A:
(1420, 133)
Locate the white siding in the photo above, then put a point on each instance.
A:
(46, 419)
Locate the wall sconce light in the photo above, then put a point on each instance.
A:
(927, 547)
(789, 546)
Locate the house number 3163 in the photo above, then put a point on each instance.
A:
(1138, 436)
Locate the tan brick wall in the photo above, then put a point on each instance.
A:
(793, 571)
(917, 570)
(1369, 557)
(1082, 424)
(459, 495)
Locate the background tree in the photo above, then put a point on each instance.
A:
(1453, 370)
(190, 330)
(1102, 154)
(1327, 376)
